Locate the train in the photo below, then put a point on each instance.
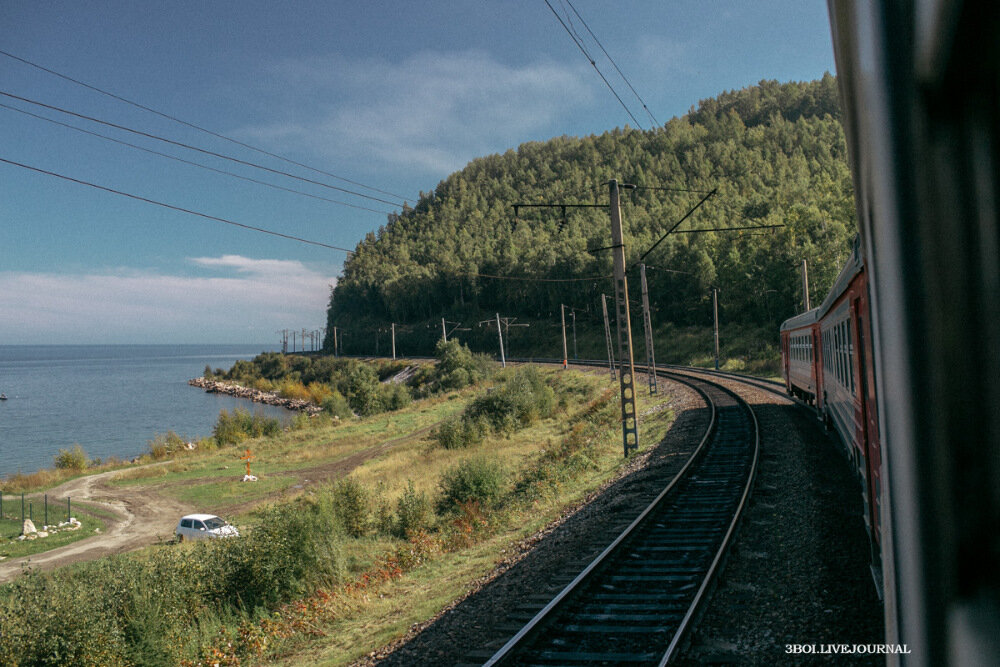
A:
(827, 361)
(902, 359)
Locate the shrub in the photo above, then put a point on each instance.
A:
(162, 446)
(71, 459)
(413, 512)
(520, 400)
(337, 405)
(478, 480)
(460, 432)
(351, 503)
(395, 396)
(458, 367)
(293, 389)
(364, 393)
(232, 429)
(319, 392)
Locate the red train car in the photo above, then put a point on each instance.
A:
(827, 361)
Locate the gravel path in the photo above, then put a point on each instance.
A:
(798, 573)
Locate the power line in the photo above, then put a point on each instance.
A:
(194, 148)
(193, 126)
(531, 279)
(593, 63)
(676, 224)
(189, 162)
(615, 65)
(175, 208)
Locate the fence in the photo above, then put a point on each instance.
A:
(28, 509)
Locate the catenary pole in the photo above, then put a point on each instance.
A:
(607, 337)
(393, 341)
(805, 283)
(626, 370)
(715, 311)
(647, 322)
(503, 361)
(562, 311)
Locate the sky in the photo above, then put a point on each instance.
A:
(376, 102)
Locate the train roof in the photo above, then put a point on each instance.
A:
(853, 266)
(801, 320)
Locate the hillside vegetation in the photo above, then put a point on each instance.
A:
(775, 152)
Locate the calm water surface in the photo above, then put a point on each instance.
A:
(111, 399)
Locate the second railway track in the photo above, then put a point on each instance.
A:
(634, 602)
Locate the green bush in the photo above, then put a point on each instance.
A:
(364, 393)
(413, 512)
(395, 396)
(352, 505)
(337, 406)
(460, 432)
(233, 428)
(162, 446)
(458, 367)
(71, 459)
(479, 480)
(521, 399)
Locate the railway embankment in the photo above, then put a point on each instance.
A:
(255, 395)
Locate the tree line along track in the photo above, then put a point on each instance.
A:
(634, 602)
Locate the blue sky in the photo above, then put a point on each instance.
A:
(393, 95)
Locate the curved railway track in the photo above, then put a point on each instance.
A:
(634, 602)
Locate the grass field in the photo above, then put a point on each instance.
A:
(369, 579)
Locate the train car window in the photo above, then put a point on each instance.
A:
(850, 356)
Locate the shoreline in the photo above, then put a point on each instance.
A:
(255, 395)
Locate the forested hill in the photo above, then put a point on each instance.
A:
(775, 152)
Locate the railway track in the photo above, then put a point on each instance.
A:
(634, 602)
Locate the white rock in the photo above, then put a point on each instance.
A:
(42, 533)
(29, 527)
(249, 478)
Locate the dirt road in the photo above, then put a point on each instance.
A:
(145, 515)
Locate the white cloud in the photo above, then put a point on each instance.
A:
(127, 305)
(432, 111)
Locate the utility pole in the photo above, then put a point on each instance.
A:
(607, 337)
(626, 373)
(648, 326)
(503, 361)
(805, 283)
(444, 331)
(393, 341)
(715, 310)
(562, 310)
(293, 341)
(303, 339)
(335, 354)
(572, 314)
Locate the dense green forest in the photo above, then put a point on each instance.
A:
(775, 153)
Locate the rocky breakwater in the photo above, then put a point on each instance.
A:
(255, 395)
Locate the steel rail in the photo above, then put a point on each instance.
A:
(533, 628)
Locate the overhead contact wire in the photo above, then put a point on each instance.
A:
(593, 64)
(194, 148)
(613, 64)
(190, 162)
(193, 126)
(175, 208)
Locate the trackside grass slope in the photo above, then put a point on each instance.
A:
(336, 569)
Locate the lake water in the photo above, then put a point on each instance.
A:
(111, 399)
